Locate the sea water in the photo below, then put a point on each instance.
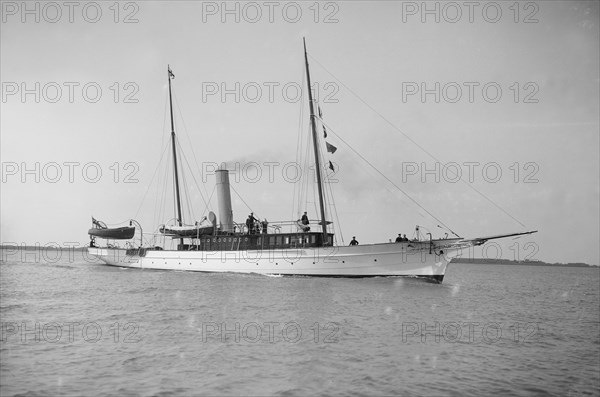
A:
(72, 326)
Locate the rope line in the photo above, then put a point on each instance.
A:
(415, 143)
(386, 178)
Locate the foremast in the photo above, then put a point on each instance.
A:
(316, 149)
(176, 176)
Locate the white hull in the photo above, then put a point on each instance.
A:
(390, 259)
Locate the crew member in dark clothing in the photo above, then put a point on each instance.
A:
(305, 219)
(264, 225)
(250, 223)
(399, 238)
(353, 242)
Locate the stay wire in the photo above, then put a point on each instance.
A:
(385, 177)
(414, 142)
(193, 153)
(151, 180)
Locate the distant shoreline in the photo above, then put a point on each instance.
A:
(486, 261)
(49, 247)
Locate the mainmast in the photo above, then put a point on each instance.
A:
(179, 218)
(316, 147)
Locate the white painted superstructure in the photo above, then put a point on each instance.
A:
(422, 259)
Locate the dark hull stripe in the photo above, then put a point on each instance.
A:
(434, 279)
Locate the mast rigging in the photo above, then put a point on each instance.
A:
(316, 149)
(176, 176)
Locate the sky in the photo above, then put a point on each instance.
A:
(485, 115)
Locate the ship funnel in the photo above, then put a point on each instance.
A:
(224, 198)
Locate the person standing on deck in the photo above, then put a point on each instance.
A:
(304, 219)
(353, 242)
(250, 223)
